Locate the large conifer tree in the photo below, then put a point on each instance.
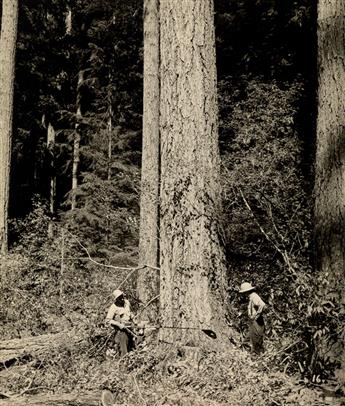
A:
(7, 63)
(330, 156)
(191, 259)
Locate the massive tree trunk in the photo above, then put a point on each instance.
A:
(148, 278)
(330, 155)
(192, 282)
(7, 63)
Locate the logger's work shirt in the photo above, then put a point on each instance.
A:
(117, 313)
(255, 306)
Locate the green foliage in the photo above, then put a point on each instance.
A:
(107, 215)
(264, 189)
(52, 283)
(105, 37)
(267, 198)
(106, 218)
(325, 330)
(273, 38)
(31, 232)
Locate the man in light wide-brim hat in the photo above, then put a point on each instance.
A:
(246, 287)
(119, 316)
(257, 325)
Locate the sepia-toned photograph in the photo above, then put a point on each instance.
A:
(172, 203)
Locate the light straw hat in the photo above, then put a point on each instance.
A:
(117, 293)
(246, 287)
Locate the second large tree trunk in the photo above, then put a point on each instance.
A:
(7, 60)
(148, 278)
(192, 261)
(330, 156)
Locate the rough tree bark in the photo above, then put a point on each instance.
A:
(7, 63)
(330, 154)
(192, 282)
(148, 278)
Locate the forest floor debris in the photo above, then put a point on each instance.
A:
(156, 375)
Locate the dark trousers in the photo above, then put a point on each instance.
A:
(256, 335)
(124, 340)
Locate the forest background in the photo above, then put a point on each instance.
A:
(85, 75)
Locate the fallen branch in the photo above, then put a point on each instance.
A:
(29, 386)
(132, 269)
(138, 389)
(46, 399)
(38, 346)
(136, 268)
(25, 390)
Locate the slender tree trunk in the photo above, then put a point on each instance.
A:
(7, 64)
(68, 21)
(110, 142)
(330, 155)
(148, 278)
(110, 125)
(52, 188)
(110, 150)
(192, 282)
(76, 144)
(62, 267)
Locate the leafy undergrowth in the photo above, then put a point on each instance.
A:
(162, 375)
(155, 375)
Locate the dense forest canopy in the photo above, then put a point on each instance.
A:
(272, 41)
(273, 46)
(79, 73)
